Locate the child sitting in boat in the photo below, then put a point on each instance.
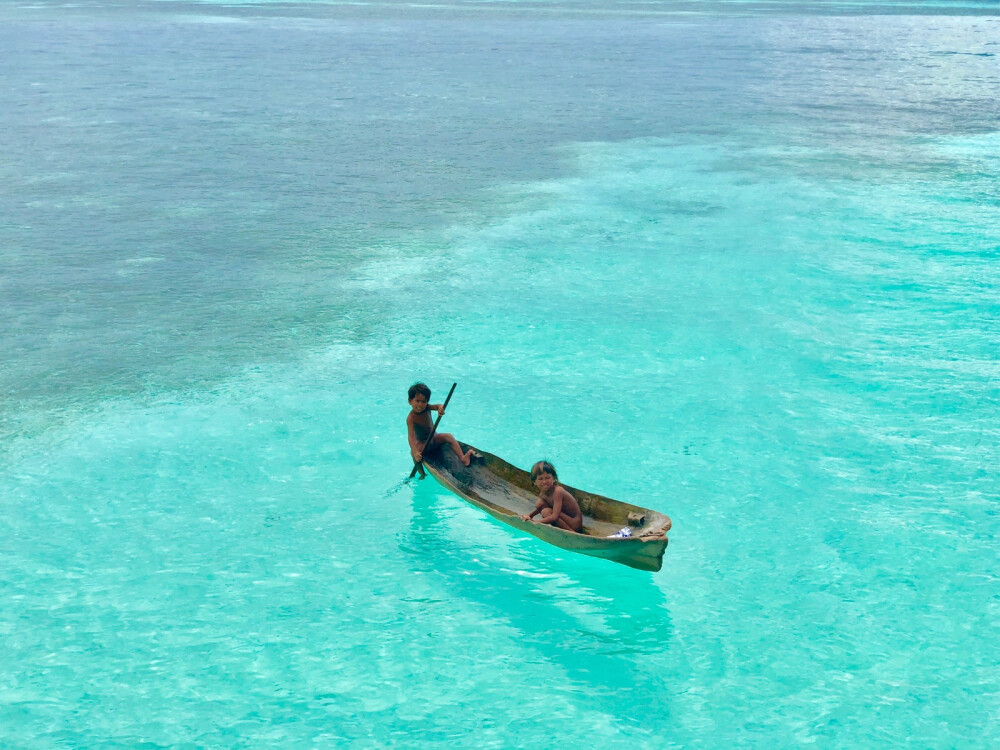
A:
(555, 504)
(419, 426)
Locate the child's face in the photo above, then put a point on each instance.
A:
(419, 403)
(545, 481)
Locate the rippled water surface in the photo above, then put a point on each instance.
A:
(738, 262)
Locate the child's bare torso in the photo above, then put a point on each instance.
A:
(422, 424)
(569, 504)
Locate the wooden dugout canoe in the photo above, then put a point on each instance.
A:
(507, 492)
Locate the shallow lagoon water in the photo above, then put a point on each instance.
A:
(739, 269)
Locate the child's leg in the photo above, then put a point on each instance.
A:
(564, 522)
(547, 515)
(447, 437)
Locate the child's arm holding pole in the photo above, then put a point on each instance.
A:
(415, 447)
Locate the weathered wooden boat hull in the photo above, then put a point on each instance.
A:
(506, 492)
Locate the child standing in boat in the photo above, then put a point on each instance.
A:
(419, 426)
(555, 504)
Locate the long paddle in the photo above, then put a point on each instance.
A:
(418, 465)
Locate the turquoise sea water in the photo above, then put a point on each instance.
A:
(738, 262)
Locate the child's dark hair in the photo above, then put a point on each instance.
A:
(543, 467)
(419, 388)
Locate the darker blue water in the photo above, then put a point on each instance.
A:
(177, 193)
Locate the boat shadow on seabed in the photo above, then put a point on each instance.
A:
(612, 622)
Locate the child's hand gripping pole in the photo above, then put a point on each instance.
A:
(418, 465)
